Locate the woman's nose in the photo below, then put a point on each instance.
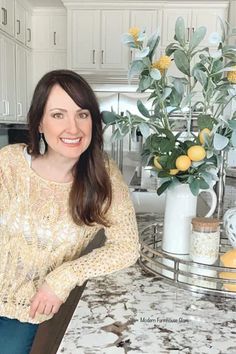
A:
(73, 125)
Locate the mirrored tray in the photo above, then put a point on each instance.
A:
(182, 272)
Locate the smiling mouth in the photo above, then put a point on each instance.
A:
(70, 141)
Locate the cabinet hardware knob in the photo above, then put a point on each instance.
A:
(18, 32)
(93, 56)
(131, 55)
(4, 11)
(188, 29)
(19, 109)
(29, 37)
(193, 29)
(54, 38)
(4, 113)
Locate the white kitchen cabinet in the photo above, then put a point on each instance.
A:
(7, 82)
(58, 31)
(21, 83)
(113, 52)
(20, 14)
(84, 39)
(49, 31)
(29, 80)
(204, 15)
(148, 20)
(95, 39)
(7, 16)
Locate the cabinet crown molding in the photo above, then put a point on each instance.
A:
(49, 11)
(150, 4)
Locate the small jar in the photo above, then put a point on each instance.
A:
(205, 240)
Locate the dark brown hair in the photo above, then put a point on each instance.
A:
(91, 192)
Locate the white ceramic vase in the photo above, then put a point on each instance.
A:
(181, 207)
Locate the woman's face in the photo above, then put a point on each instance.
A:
(66, 127)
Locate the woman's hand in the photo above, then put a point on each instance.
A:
(44, 301)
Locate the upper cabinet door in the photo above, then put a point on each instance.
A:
(169, 18)
(145, 20)
(41, 25)
(209, 18)
(114, 54)
(84, 39)
(8, 80)
(49, 31)
(20, 22)
(58, 32)
(21, 83)
(7, 16)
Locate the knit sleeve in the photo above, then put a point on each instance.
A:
(121, 248)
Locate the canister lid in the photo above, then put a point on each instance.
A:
(205, 224)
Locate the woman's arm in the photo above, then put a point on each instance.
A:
(121, 248)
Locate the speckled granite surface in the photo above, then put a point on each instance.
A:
(133, 312)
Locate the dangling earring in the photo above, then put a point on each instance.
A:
(42, 146)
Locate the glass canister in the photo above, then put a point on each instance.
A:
(205, 240)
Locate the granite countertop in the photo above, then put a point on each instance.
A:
(131, 311)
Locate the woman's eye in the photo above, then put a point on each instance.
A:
(83, 115)
(57, 115)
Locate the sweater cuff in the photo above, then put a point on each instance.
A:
(62, 280)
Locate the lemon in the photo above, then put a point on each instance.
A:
(229, 260)
(231, 76)
(173, 171)
(202, 135)
(183, 163)
(227, 275)
(157, 163)
(196, 153)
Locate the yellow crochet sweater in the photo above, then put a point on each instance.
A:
(39, 241)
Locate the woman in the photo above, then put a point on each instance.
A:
(55, 195)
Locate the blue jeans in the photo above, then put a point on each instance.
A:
(16, 337)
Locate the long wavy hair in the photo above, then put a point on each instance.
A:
(91, 192)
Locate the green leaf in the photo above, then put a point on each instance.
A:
(167, 91)
(197, 37)
(136, 68)
(163, 187)
(144, 83)
(180, 31)
(232, 123)
(155, 74)
(222, 25)
(145, 129)
(207, 177)
(205, 121)
(233, 138)
(195, 186)
(116, 135)
(142, 53)
(152, 43)
(109, 117)
(127, 38)
(220, 142)
(182, 62)
(203, 184)
(175, 98)
(142, 109)
(170, 49)
(179, 85)
(200, 76)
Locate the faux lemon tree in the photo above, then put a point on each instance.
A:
(183, 157)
